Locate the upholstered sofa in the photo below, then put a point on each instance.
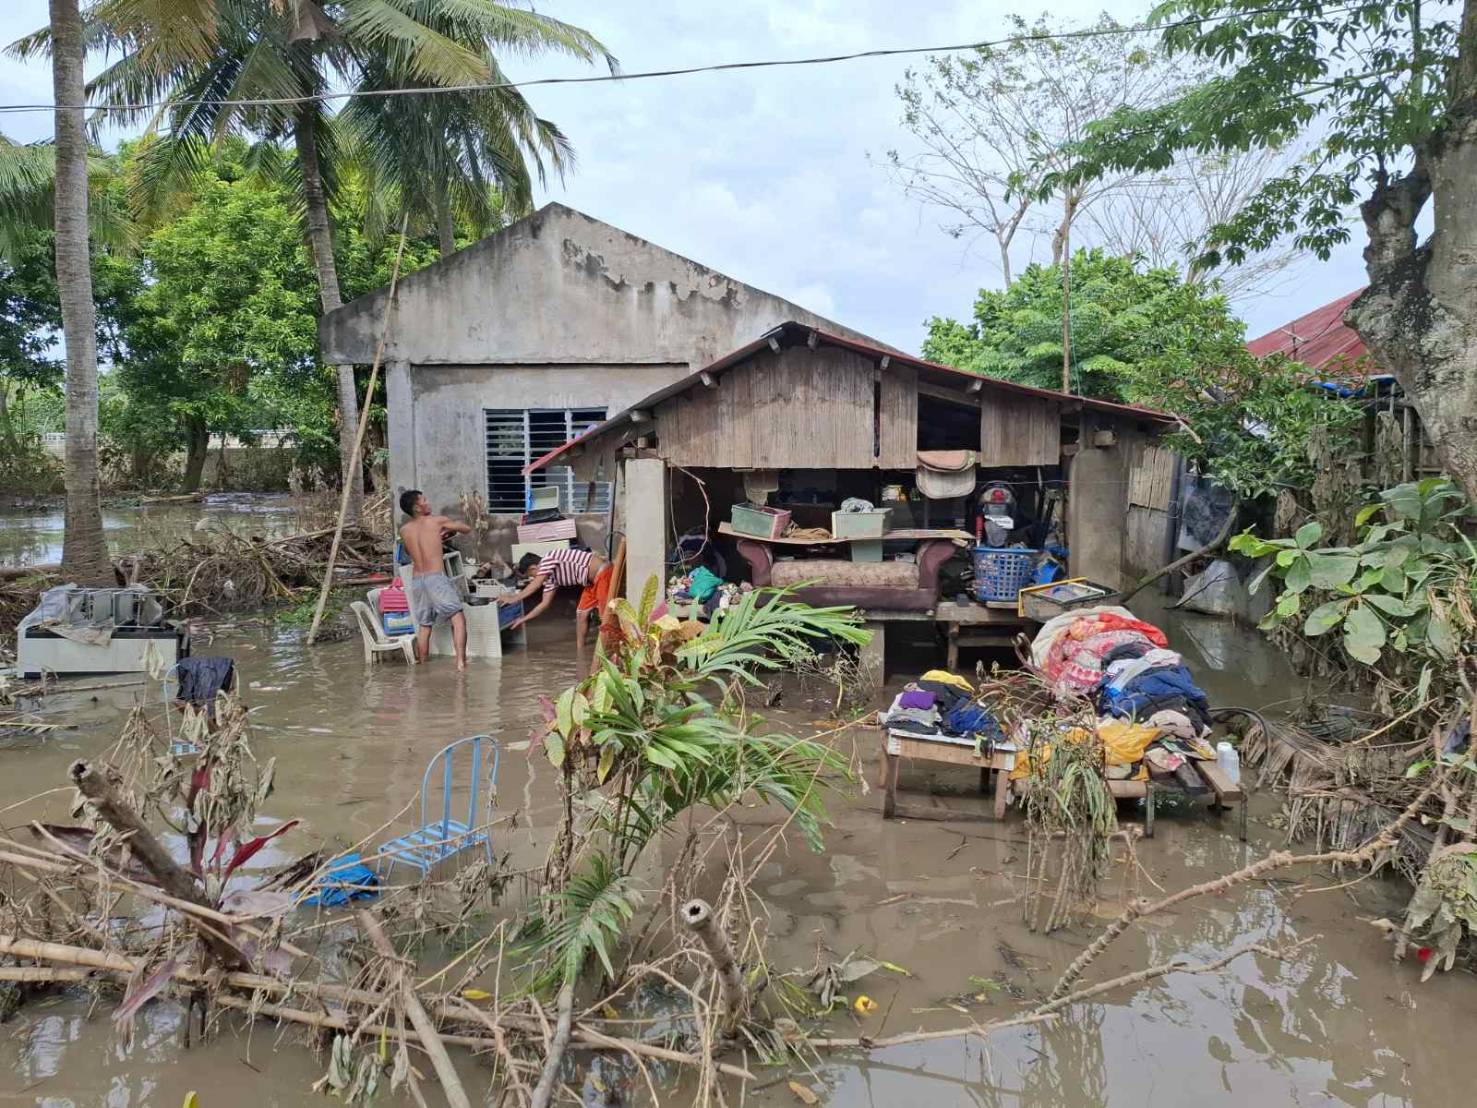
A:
(882, 586)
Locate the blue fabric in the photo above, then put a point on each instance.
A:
(1141, 696)
(336, 885)
(968, 718)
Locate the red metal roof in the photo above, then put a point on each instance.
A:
(1319, 340)
(799, 332)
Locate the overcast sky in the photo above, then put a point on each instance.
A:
(764, 174)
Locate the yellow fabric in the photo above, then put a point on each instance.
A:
(1124, 743)
(944, 677)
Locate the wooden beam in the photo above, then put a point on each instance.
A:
(938, 392)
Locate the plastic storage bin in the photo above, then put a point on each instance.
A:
(1001, 572)
(866, 550)
(860, 525)
(761, 523)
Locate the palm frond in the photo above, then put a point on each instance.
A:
(587, 917)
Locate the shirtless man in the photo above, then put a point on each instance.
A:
(433, 595)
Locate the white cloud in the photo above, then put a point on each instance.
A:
(764, 174)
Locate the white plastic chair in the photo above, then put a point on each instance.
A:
(376, 642)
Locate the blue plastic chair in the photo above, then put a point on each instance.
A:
(439, 839)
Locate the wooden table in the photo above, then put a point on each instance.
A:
(949, 750)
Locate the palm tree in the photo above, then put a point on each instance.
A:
(198, 53)
(84, 553)
(467, 157)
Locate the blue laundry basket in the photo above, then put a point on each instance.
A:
(1001, 572)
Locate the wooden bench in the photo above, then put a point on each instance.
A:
(948, 750)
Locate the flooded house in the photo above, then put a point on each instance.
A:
(508, 348)
(802, 420)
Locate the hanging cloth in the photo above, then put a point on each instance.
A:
(945, 474)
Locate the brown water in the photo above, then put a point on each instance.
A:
(34, 537)
(1342, 1025)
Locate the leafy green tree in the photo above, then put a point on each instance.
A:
(1122, 320)
(1389, 94)
(199, 53)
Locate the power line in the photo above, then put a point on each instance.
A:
(718, 67)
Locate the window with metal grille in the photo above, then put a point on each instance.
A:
(517, 436)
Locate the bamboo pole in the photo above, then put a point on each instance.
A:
(697, 916)
(430, 1038)
(120, 966)
(353, 460)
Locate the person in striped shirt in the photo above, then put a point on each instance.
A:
(560, 569)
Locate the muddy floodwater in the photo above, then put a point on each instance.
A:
(34, 536)
(1340, 1025)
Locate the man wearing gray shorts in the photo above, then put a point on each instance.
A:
(433, 596)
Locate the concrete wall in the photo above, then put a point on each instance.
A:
(560, 287)
(437, 437)
(556, 310)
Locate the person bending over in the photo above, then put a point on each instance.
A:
(559, 569)
(433, 595)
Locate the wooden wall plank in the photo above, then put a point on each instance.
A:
(1019, 430)
(899, 439)
(1151, 474)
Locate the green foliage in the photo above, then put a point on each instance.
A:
(1399, 602)
(1252, 424)
(1126, 324)
(658, 730)
(589, 915)
(1445, 905)
(1370, 82)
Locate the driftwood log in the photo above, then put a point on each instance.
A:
(98, 786)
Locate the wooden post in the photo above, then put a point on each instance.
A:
(348, 481)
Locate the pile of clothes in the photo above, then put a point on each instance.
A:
(1152, 717)
(706, 590)
(941, 703)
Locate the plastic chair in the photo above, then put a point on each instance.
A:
(443, 837)
(376, 642)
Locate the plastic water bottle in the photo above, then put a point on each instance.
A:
(1227, 757)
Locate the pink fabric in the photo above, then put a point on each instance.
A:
(1074, 664)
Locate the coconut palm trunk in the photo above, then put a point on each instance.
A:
(320, 240)
(84, 553)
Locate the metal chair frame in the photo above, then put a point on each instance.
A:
(437, 840)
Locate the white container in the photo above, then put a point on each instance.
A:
(1227, 757)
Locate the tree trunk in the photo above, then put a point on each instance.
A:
(7, 428)
(195, 452)
(320, 240)
(1419, 315)
(445, 220)
(84, 553)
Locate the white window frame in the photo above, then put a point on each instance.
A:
(575, 497)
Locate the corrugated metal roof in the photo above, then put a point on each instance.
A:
(1320, 340)
(789, 334)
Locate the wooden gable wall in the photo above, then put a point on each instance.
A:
(1019, 430)
(798, 409)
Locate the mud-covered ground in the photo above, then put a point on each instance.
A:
(1342, 1025)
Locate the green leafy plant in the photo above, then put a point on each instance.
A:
(659, 729)
(1400, 599)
